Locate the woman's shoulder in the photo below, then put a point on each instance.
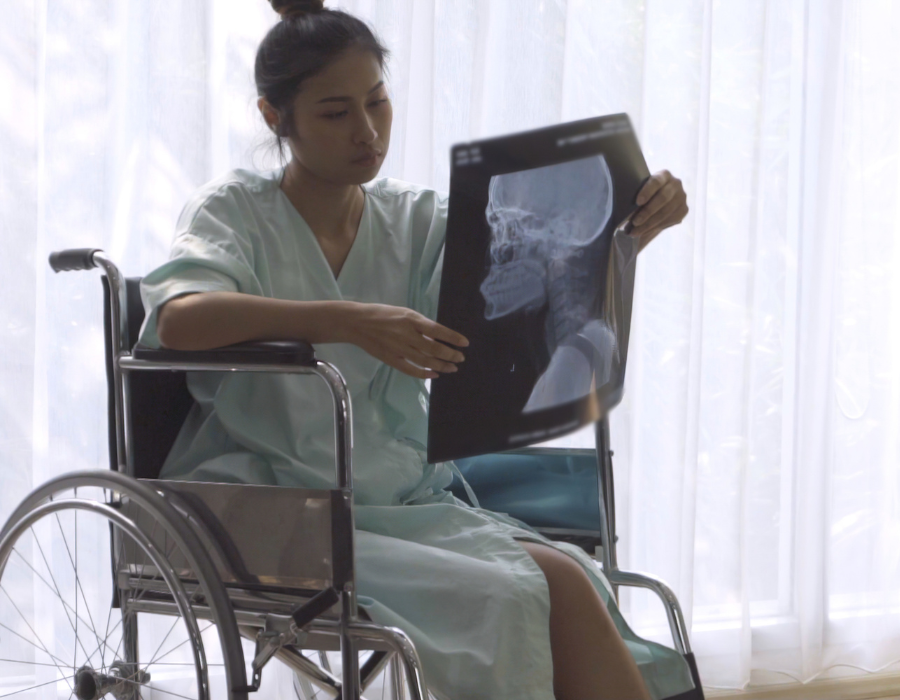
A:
(234, 186)
(226, 209)
(401, 193)
(400, 205)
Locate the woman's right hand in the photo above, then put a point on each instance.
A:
(399, 337)
(404, 339)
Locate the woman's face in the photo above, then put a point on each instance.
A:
(342, 120)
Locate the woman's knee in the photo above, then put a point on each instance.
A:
(566, 579)
(590, 659)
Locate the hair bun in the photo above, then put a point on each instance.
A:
(297, 8)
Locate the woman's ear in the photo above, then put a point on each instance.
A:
(269, 113)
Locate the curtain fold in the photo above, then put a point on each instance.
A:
(757, 447)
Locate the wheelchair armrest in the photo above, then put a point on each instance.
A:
(277, 352)
(677, 626)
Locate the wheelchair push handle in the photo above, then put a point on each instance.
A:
(73, 259)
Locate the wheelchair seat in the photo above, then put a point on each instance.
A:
(555, 491)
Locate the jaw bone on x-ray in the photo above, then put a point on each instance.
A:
(544, 224)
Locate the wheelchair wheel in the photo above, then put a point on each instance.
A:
(105, 592)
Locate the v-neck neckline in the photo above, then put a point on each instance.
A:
(361, 228)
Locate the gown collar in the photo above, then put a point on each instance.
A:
(348, 278)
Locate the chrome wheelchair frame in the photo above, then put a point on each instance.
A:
(609, 559)
(151, 519)
(175, 545)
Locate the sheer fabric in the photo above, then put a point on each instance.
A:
(757, 446)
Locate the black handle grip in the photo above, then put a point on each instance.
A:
(73, 259)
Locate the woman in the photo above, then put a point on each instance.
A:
(320, 251)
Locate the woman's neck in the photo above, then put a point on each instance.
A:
(331, 210)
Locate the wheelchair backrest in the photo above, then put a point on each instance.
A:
(158, 402)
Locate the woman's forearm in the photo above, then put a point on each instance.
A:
(216, 319)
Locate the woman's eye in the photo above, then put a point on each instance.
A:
(342, 113)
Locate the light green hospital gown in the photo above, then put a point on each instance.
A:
(453, 577)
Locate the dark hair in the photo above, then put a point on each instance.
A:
(306, 40)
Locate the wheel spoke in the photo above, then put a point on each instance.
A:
(154, 661)
(25, 620)
(137, 599)
(77, 584)
(75, 569)
(171, 629)
(52, 578)
(52, 589)
(154, 656)
(87, 606)
(157, 689)
(78, 578)
(117, 562)
(121, 637)
(180, 663)
(140, 595)
(42, 648)
(104, 642)
(135, 570)
(29, 663)
(103, 646)
(41, 685)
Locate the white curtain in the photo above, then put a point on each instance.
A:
(757, 448)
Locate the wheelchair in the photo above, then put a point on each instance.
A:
(199, 567)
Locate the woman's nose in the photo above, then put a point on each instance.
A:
(365, 130)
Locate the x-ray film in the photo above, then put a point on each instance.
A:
(538, 275)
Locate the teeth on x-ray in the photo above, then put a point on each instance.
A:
(514, 285)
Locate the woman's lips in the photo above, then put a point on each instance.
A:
(368, 161)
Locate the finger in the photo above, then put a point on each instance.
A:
(651, 232)
(663, 196)
(652, 186)
(438, 350)
(645, 238)
(398, 362)
(435, 330)
(429, 362)
(669, 215)
(401, 364)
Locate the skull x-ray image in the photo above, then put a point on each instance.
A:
(538, 274)
(544, 224)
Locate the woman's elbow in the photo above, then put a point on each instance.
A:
(169, 326)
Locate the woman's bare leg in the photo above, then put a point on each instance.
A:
(590, 659)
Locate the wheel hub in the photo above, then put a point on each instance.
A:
(121, 682)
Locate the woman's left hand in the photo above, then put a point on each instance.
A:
(663, 203)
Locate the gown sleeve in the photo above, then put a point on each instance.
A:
(213, 251)
(431, 263)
